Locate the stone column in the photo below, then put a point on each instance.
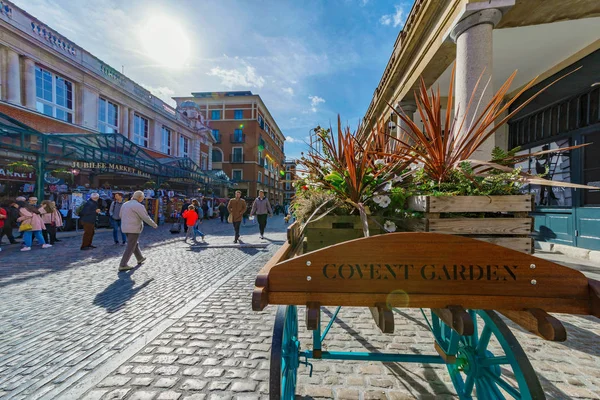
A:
(131, 124)
(210, 148)
(29, 82)
(124, 121)
(474, 46)
(13, 77)
(409, 108)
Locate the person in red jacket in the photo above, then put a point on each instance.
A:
(191, 217)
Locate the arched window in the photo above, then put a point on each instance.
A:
(217, 155)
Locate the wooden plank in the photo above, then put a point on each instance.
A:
(448, 359)
(594, 290)
(293, 233)
(260, 294)
(457, 318)
(341, 222)
(459, 204)
(383, 317)
(426, 263)
(522, 244)
(539, 322)
(411, 225)
(312, 317)
(481, 226)
(434, 300)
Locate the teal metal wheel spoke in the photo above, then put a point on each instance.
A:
(285, 354)
(477, 370)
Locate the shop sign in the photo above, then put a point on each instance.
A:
(8, 175)
(112, 166)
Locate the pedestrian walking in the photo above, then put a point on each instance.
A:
(52, 219)
(222, 211)
(191, 218)
(88, 214)
(133, 215)
(3, 217)
(237, 208)
(20, 200)
(184, 207)
(12, 214)
(205, 210)
(261, 208)
(114, 211)
(31, 225)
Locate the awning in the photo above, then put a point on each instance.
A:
(103, 151)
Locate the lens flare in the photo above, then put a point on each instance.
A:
(398, 298)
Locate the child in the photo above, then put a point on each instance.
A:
(191, 217)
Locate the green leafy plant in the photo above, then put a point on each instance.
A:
(149, 185)
(63, 173)
(20, 166)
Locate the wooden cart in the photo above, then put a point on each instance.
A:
(460, 284)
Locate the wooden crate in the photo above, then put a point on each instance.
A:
(512, 230)
(335, 229)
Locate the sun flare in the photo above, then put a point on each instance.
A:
(164, 41)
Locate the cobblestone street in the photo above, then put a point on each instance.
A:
(181, 327)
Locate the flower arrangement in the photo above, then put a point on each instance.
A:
(149, 185)
(373, 173)
(20, 166)
(63, 173)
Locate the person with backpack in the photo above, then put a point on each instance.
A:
(114, 212)
(52, 219)
(222, 211)
(190, 217)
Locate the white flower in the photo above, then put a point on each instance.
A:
(379, 162)
(389, 226)
(387, 187)
(378, 199)
(385, 201)
(397, 178)
(414, 167)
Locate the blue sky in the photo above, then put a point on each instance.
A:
(308, 60)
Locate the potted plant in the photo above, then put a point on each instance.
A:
(63, 173)
(423, 175)
(149, 185)
(21, 167)
(165, 185)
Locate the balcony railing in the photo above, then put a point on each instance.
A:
(237, 138)
(237, 158)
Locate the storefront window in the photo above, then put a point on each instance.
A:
(166, 141)
(184, 146)
(140, 131)
(108, 116)
(54, 95)
(556, 167)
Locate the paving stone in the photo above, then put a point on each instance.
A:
(243, 386)
(214, 373)
(117, 394)
(193, 384)
(169, 395)
(142, 381)
(219, 385)
(168, 370)
(142, 395)
(143, 369)
(116, 380)
(166, 382)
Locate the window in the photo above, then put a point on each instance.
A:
(204, 161)
(165, 144)
(287, 186)
(238, 136)
(261, 121)
(238, 155)
(216, 135)
(215, 114)
(140, 131)
(267, 129)
(238, 114)
(184, 144)
(236, 175)
(108, 116)
(217, 156)
(259, 177)
(54, 95)
(287, 176)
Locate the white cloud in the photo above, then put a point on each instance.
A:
(396, 19)
(244, 77)
(314, 102)
(289, 139)
(288, 90)
(364, 2)
(162, 92)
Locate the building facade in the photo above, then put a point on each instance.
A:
(289, 180)
(249, 145)
(490, 40)
(53, 86)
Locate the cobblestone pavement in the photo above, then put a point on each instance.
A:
(208, 343)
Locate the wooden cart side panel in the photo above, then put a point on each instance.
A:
(408, 264)
(458, 204)
(481, 226)
(260, 295)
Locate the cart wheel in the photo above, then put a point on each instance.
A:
(285, 359)
(492, 362)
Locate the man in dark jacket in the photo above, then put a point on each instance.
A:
(88, 220)
(222, 211)
(12, 213)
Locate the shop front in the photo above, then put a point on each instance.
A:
(67, 168)
(567, 114)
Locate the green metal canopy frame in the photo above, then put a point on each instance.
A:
(107, 149)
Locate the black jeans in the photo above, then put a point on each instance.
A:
(50, 231)
(262, 223)
(7, 230)
(236, 227)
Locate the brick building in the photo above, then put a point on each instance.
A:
(290, 177)
(249, 144)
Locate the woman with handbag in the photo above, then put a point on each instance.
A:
(31, 224)
(52, 219)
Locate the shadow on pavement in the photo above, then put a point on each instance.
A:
(118, 293)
